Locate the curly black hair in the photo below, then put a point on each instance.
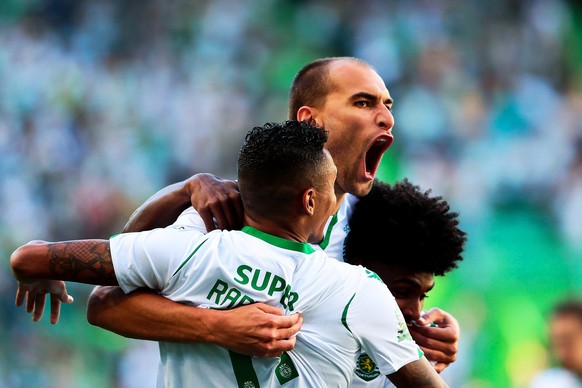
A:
(277, 161)
(402, 225)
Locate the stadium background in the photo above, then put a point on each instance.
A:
(102, 103)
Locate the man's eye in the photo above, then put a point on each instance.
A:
(423, 296)
(362, 104)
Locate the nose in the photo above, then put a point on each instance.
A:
(385, 119)
(412, 310)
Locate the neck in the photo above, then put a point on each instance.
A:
(339, 198)
(288, 230)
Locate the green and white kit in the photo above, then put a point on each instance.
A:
(347, 309)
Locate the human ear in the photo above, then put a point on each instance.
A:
(309, 201)
(309, 114)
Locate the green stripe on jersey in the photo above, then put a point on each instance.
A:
(345, 313)
(189, 257)
(243, 370)
(278, 241)
(325, 242)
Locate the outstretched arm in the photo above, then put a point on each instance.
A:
(83, 261)
(257, 329)
(439, 343)
(38, 264)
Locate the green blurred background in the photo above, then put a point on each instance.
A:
(102, 103)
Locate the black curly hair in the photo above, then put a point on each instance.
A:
(277, 161)
(401, 225)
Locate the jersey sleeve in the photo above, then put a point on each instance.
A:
(378, 324)
(149, 259)
(189, 219)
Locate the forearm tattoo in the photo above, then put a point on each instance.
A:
(87, 261)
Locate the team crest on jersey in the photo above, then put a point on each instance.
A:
(286, 370)
(367, 369)
(249, 384)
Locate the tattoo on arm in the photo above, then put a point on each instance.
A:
(87, 261)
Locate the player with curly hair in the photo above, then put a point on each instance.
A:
(406, 236)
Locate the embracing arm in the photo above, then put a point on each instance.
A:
(257, 329)
(212, 197)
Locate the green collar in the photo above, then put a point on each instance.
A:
(278, 241)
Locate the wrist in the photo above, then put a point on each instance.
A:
(208, 324)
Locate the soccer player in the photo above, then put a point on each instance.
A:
(286, 180)
(565, 330)
(350, 100)
(406, 236)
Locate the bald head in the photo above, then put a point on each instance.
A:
(312, 83)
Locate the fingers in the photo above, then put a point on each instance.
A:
(294, 329)
(440, 334)
(227, 210)
(438, 344)
(438, 358)
(38, 305)
(280, 346)
(440, 366)
(208, 218)
(269, 309)
(20, 296)
(55, 309)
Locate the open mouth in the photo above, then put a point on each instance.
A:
(375, 153)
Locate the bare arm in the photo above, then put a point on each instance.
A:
(439, 343)
(212, 197)
(257, 329)
(38, 264)
(83, 261)
(417, 374)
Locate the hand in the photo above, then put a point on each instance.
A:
(35, 294)
(439, 343)
(257, 330)
(215, 198)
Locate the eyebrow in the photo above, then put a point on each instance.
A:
(369, 96)
(413, 283)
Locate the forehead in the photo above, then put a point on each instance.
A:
(566, 322)
(396, 274)
(349, 78)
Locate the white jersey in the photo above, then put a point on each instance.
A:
(340, 304)
(367, 373)
(557, 378)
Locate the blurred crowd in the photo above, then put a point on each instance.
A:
(102, 103)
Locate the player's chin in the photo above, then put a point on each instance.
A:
(362, 188)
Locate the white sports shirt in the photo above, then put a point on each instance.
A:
(367, 373)
(347, 309)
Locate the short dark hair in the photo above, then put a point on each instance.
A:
(311, 84)
(276, 162)
(404, 226)
(569, 307)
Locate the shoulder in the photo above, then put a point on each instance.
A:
(557, 377)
